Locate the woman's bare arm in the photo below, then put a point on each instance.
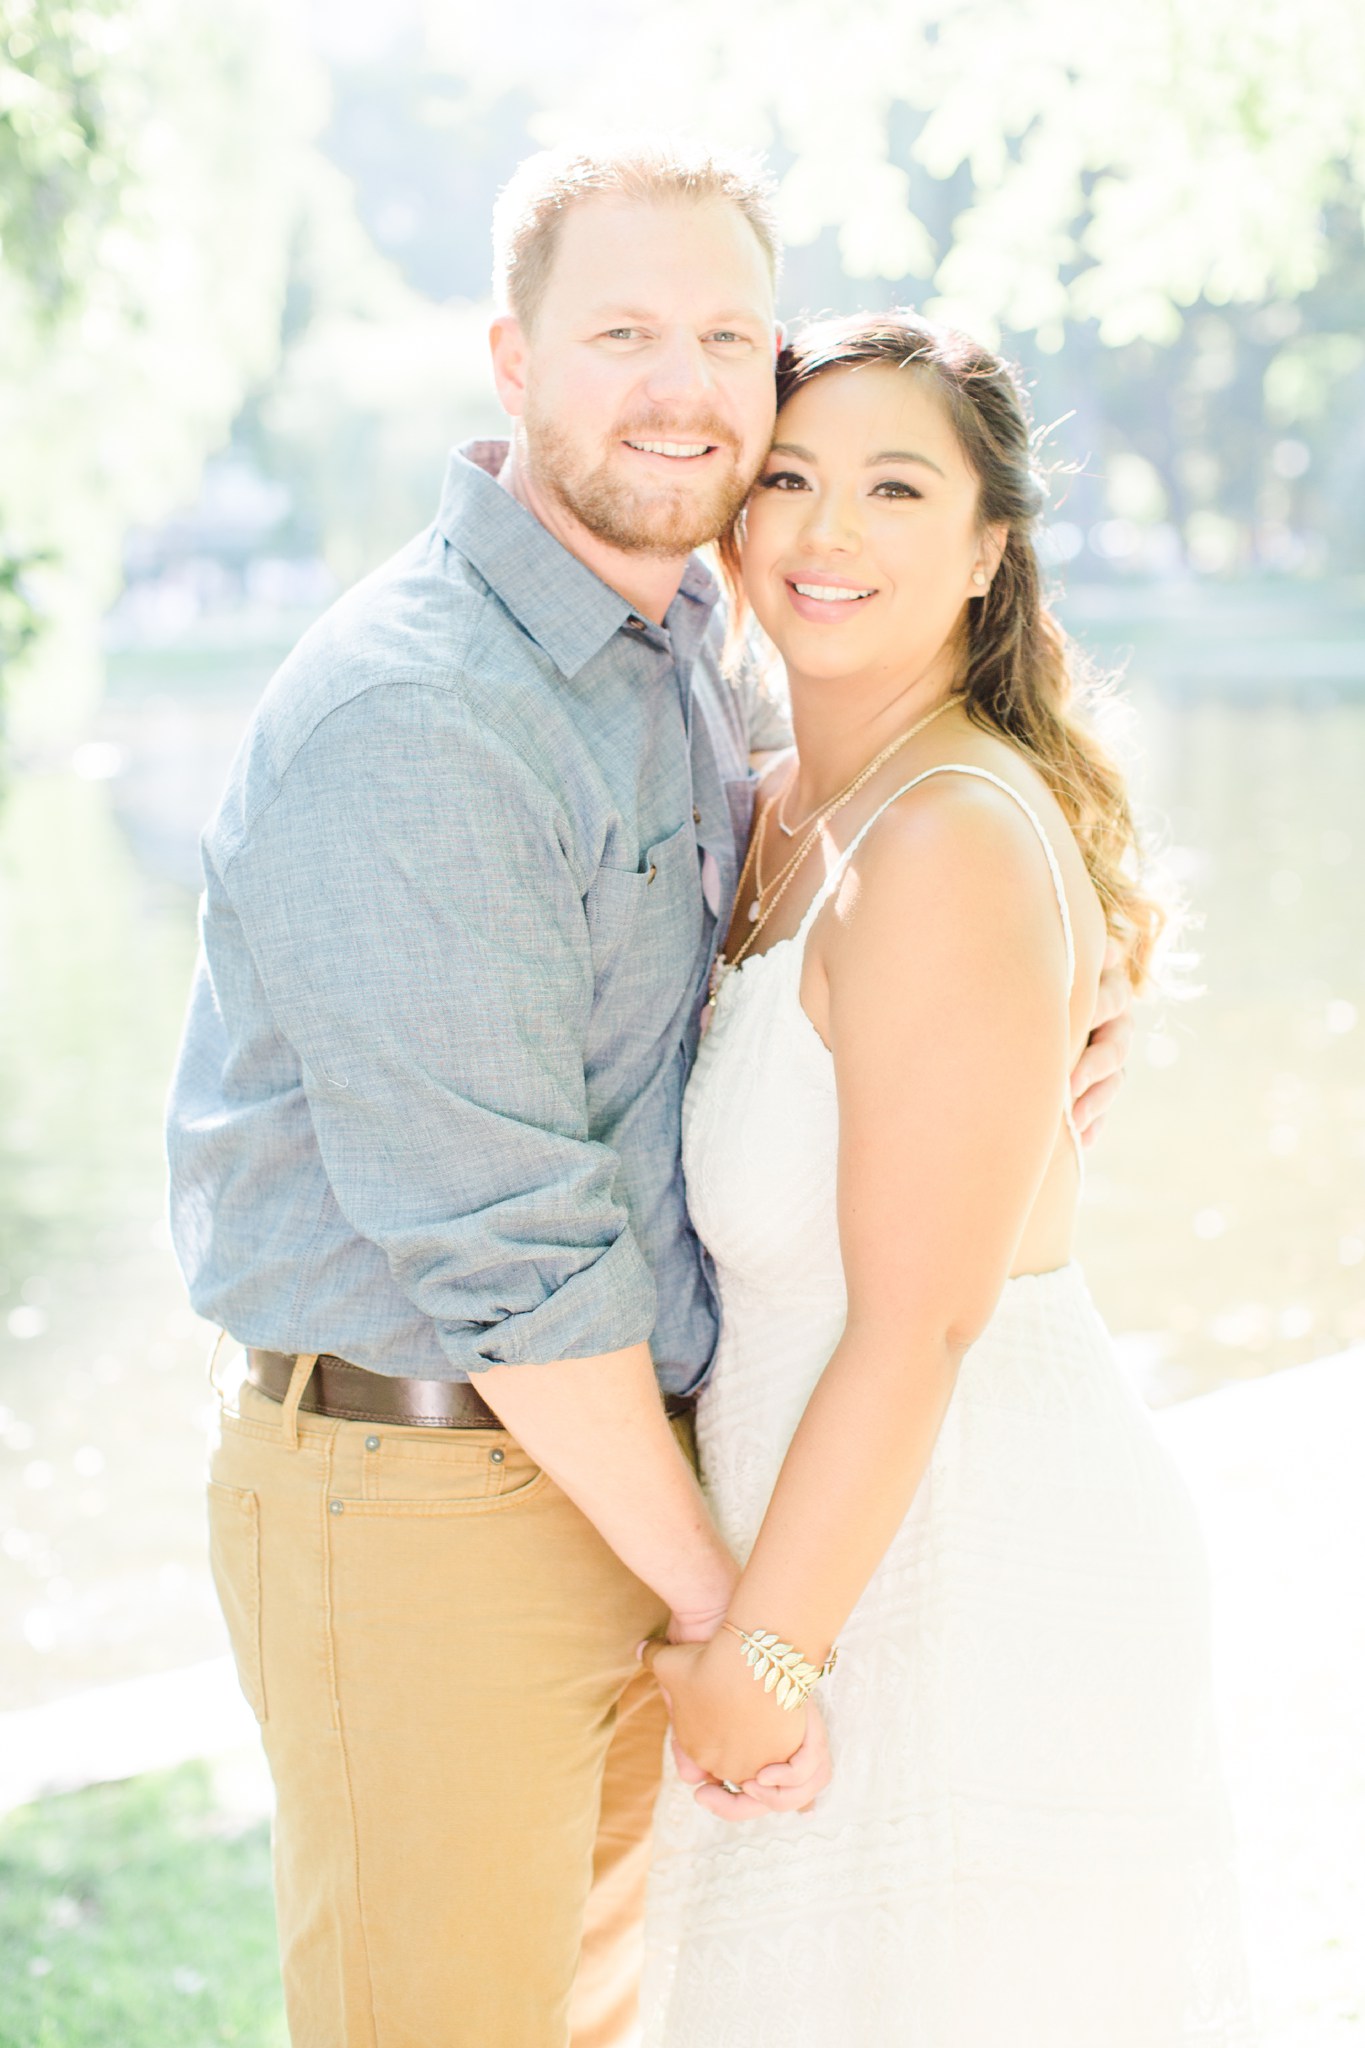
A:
(951, 1034)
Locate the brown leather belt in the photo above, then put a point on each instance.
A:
(351, 1393)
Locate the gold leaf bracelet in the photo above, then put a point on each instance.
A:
(780, 1667)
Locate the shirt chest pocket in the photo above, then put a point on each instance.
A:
(645, 925)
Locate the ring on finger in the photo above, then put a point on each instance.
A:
(727, 1785)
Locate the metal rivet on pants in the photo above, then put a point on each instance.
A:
(372, 1443)
(336, 1506)
(497, 1456)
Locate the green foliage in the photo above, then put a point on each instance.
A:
(137, 1913)
(1114, 164)
(150, 158)
(174, 242)
(59, 178)
(18, 618)
(375, 384)
(1159, 211)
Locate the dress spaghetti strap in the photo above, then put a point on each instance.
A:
(827, 887)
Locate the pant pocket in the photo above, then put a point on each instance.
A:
(235, 1561)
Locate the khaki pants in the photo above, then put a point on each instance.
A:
(441, 1653)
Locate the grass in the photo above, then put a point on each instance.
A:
(137, 1916)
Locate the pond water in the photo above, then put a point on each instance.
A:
(1224, 1232)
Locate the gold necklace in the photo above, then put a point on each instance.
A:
(759, 913)
(820, 814)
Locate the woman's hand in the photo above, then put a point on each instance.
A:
(792, 1787)
(726, 1725)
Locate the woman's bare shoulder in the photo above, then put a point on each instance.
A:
(949, 831)
(962, 845)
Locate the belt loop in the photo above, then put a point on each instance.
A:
(298, 1380)
(219, 1341)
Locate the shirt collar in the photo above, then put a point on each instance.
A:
(566, 609)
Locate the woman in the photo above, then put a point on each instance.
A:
(916, 1434)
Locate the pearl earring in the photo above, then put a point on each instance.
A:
(979, 578)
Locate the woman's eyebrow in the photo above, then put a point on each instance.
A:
(887, 455)
(904, 455)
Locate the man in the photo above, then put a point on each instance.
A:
(463, 892)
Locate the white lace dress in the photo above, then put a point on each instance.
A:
(1025, 1844)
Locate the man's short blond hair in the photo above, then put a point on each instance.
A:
(531, 207)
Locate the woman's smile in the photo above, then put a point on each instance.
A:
(826, 600)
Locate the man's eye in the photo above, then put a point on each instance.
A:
(726, 334)
(782, 480)
(621, 333)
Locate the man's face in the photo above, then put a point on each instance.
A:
(649, 394)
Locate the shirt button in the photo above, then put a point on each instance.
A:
(653, 871)
(696, 815)
(372, 1443)
(497, 1456)
(636, 625)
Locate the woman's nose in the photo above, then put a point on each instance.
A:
(831, 524)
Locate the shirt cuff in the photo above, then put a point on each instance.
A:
(604, 1307)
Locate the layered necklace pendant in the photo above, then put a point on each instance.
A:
(753, 911)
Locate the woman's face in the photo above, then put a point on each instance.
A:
(861, 534)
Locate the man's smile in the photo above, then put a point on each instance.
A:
(676, 451)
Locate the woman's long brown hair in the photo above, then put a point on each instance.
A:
(1024, 679)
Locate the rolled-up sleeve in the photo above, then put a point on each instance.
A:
(414, 905)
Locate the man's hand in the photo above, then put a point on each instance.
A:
(1098, 1073)
(699, 1624)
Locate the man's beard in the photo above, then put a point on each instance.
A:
(640, 519)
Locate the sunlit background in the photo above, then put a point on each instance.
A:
(243, 277)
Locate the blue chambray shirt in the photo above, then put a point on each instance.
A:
(426, 1110)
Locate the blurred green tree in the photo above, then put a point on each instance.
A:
(374, 383)
(1113, 163)
(1175, 193)
(150, 161)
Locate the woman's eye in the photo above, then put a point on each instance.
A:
(782, 480)
(892, 487)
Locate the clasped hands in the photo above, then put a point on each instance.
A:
(727, 1728)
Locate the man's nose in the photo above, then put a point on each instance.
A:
(679, 369)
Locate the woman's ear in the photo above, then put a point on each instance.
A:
(990, 552)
